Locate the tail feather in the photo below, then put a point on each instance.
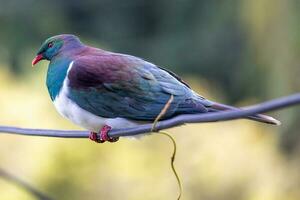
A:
(257, 117)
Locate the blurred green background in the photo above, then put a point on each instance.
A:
(237, 52)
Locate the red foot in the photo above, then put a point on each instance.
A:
(103, 135)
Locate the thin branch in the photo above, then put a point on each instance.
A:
(161, 114)
(267, 106)
(9, 177)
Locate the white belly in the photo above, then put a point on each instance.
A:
(69, 109)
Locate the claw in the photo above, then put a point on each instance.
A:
(103, 135)
(94, 137)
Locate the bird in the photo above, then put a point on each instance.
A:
(101, 90)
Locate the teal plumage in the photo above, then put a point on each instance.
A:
(97, 89)
(56, 75)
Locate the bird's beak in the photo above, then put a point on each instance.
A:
(37, 59)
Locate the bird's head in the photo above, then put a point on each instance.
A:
(55, 45)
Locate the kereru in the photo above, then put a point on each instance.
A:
(99, 90)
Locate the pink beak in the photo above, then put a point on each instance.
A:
(37, 59)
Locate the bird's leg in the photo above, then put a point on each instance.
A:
(103, 135)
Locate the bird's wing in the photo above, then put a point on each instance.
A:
(118, 85)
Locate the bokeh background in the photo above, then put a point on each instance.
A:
(237, 52)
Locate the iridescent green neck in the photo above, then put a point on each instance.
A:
(57, 71)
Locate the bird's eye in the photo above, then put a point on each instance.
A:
(50, 45)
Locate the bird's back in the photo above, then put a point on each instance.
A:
(117, 85)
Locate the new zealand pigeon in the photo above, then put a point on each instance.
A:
(99, 90)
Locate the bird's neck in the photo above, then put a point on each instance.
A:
(57, 72)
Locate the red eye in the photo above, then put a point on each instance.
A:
(50, 45)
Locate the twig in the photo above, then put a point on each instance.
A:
(172, 162)
(153, 129)
(176, 121)
(39, 195)
(162, 113)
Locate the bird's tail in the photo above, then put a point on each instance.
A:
(257, 117)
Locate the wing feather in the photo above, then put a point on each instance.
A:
(125, 86)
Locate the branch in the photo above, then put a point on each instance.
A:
(274, 104)
(38, 194)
